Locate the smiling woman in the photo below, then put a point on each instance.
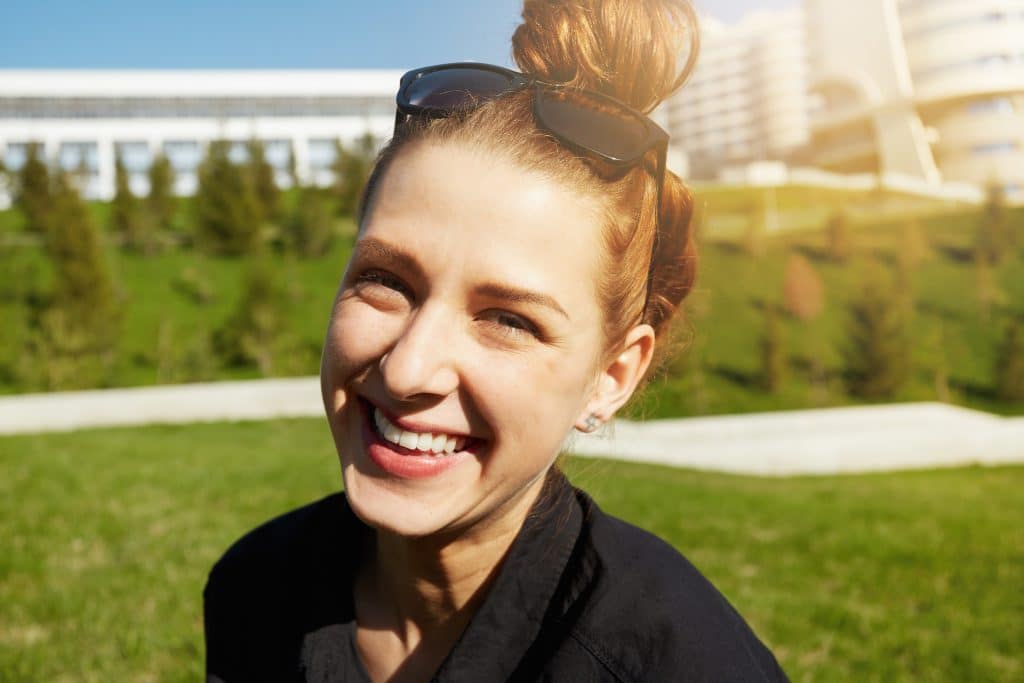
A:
(521, 252)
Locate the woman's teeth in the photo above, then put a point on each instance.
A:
(436, 445)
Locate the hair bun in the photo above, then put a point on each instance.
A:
(639, 51)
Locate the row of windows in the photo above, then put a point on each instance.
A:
(963, 22)
(995, 105)
(985, 61)
(183, 155)
(995, 149)
(195, 107)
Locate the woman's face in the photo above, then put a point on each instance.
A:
(467, 329)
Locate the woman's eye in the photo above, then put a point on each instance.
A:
(383, 279)
(512, 324)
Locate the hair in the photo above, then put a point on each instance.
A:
(632, 50)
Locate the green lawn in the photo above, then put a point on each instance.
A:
(106, 537)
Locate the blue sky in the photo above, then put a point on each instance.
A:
(297, 34)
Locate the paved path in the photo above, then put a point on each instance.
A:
(829, 441)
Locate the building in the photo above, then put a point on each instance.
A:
(83, 119)
(747, 99)
(929, 89)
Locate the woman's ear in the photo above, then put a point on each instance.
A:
(619, 378)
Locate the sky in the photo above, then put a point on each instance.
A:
(300, 34)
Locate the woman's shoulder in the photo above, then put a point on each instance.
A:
(286, 543)
(650, 609)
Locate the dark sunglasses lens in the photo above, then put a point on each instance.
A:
(456, 88)
(595, 124)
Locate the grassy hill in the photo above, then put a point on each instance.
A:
(172, 299)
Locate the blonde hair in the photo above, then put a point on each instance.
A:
(634, 51)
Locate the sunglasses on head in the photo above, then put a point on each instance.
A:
(585, 121)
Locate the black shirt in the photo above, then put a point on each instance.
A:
(581, 596)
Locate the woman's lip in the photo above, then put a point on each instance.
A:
(403, 462)
(413, 425)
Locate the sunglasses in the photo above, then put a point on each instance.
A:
(585, 121)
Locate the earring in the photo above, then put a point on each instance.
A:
(591, 423)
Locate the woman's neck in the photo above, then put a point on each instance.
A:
(427, 589)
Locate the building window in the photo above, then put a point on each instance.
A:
(322, 153)
(79, 156)
(184, 155)
(995, 105)
(995, 148)
(135, 156)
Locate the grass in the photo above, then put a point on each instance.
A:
(108, 534)
(948, 326)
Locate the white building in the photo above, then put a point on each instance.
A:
(82, 119)
(929, 89)
(748, 96)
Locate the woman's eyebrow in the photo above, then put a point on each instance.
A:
(386, 254)
(496, 290)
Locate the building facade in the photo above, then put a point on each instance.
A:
(82, 120)
(931, 89)
(747, 99)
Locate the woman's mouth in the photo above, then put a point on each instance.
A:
(412, 454)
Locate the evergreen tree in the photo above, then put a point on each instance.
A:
(773, 358)
(877, 350)
(756, 233)
(253, 334)
(839, 237)
(351, 171)
(261, 176)
(1009, 366)
(986, 286)
(226, 209)
(803, 290)
(75, 328)
(993, 237)
(32, 191)
(126, 216)
(160, 203)
(310, 231)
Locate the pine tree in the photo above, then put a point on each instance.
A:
(803, 290)
(351, 171)
(773, 357)
(877, 350)
(1009, 365)
(76, 327)
(126, 216)
(253, 334)
(160, 203)
(986, 286)
(993, 238)
(310, 231)
(839, 237)
(227, 211)
(32, 191)
(261, 176)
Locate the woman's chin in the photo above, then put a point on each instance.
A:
(396, 511)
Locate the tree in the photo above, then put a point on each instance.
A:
(755, 235)
(877, 348)
(226, 209)
(253, 334)
(261, 176)
(160, 203)
(986, 287)
(32, 191)
(126, 216)
(351, 171)
(75, 328)
(310, 228)
(1009, 365)
(839, 237)
(803, 290)
(993, 236)
(773, 358)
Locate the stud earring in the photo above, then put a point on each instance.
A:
(591, 423)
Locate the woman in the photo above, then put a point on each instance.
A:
(512, 279)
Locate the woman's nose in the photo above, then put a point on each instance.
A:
(422, 361)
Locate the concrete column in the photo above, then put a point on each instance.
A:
(105, 170)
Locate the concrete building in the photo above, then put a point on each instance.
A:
(929, 89)
(747, 99)
(82, 119)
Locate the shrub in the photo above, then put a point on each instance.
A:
(876, 350)
(803, 290)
